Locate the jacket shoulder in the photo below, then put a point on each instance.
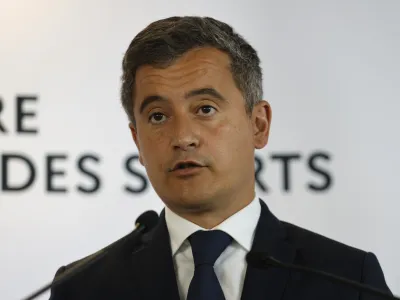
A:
(76, 264)
(321, 252)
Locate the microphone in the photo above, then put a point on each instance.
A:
(262, 260)
(144, 224)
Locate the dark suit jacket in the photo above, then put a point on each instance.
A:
(148, 273)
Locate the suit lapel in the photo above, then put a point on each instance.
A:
(155, 265)
(155, 275)
(270, 237)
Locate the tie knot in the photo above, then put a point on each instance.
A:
(207, 246)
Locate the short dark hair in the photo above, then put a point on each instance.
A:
(165, 40)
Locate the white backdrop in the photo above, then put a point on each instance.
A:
(331, 74)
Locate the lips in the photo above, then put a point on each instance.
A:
(186, 164)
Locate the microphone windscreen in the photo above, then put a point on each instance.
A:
(255, 259)
(262, 260)
(148, 219)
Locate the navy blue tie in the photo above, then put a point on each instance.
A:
(207, 246)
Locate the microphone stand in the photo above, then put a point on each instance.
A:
(264, 261)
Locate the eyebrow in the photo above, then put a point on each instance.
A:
(197, 92)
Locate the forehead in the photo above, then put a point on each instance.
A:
(196, 68)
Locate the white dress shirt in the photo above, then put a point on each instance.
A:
(231, 266)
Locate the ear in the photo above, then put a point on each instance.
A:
(135, 138)
(261, 121)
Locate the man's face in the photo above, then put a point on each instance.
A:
(193, 111)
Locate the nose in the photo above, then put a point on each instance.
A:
(184, 134)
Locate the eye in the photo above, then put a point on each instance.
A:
(157, 117)
(206, 110)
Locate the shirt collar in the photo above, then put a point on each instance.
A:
(240, 226)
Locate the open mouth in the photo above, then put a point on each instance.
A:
(182, 166)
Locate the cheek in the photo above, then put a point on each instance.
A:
(230, 141)
(151, 154)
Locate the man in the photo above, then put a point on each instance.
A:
(192, 89)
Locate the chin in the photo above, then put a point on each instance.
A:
(191, 201)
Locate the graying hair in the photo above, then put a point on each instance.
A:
(163, 41)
